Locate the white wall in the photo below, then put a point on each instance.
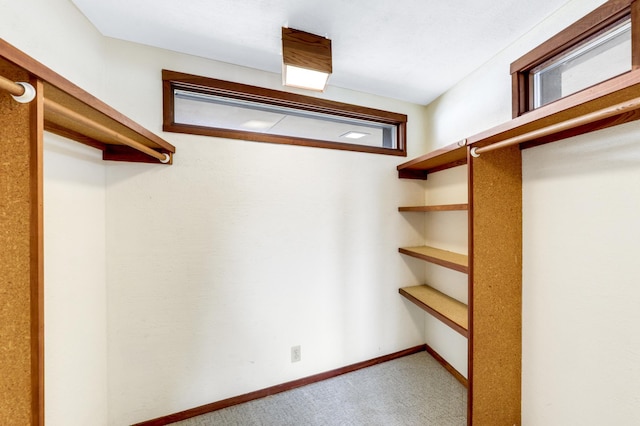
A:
(76, 378)
(483, 99)
(240, 250)
(217, 265)
(581, 357)
(255, 257)
(580, 293)
(447, 231)
(75, 284)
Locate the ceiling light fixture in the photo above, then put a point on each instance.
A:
(306, 60)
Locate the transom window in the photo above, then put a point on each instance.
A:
(605, 55)
(205, 106)
(593, 50)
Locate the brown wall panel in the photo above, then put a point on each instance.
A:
(20, 263)
(496, 290)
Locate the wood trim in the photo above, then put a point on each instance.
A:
(424, 174)
(168, 107)
(37, 253)
(450, 368)
(277, 97)
(413, 174)
(438, 208)
(176, 80)
(277, 139)
(635, 34)
(214, 406)
(519, 95)
(402, 138)
(470, 310)
(131, 155)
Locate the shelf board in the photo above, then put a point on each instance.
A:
(448, 259)
(445, 308)
(444, 158)
(435, 208)
(66, 94)
(611, 92)
(619, 89)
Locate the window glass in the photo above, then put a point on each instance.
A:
(599, 58)
(214, 111)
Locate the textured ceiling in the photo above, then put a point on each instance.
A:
(412, 50)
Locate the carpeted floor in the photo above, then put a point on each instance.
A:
(413, 390)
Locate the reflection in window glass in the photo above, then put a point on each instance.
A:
(599, 58)
(201, 109)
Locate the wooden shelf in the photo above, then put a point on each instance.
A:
(444, 158)
(619, 89)
(96, 111)
(447, 309)
(448, 259)
(614, 91)
(61, 91)
(436, 208)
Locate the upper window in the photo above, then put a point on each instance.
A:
(205, 106)
(597, 59)
(591, 51)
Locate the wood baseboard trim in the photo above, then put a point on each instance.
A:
(450, 368)
(214, 406)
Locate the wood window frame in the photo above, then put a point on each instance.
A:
(172, 80)
(600, 18)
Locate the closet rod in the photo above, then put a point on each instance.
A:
(591, 117)
(56, 108)
(13, 88)
(22, 91)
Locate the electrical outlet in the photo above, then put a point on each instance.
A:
(296, 353)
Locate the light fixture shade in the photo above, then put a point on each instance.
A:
(306, 60)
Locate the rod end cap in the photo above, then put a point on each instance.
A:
(28, 95)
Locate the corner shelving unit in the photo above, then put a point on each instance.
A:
(450, 311)
(491, 319)
(443, 307)
(495, 233)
